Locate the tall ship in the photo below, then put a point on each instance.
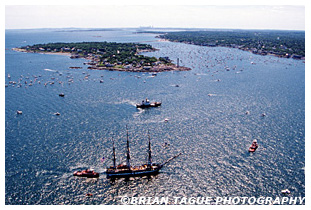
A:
(127, 170)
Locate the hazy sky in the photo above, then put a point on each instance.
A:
(198, 16)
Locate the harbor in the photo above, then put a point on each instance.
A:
(211, 115)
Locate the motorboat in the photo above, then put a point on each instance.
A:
(146, 104)
(86, 173)
(254, 146)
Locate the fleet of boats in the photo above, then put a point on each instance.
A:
(127, 170)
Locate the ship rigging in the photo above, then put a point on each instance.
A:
(127, 170)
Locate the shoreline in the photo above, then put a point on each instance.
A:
(95, 66)
(243, 49)
(49, 53)
(163, 68)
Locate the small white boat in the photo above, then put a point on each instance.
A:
(286, 191)
(19, 112)
(57, 113)
(166, 120)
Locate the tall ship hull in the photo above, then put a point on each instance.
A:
(133, 172)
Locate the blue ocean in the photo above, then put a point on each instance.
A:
(213, 113)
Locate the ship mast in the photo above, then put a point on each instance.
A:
(114, 155)
(149, 153)
(128, 157)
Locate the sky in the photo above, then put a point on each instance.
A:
(114, 15)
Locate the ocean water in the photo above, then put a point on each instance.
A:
(207, 123)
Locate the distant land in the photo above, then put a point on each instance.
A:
(286, 44)
(109, 55)
(127, 57)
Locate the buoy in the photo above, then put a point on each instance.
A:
(165, 144)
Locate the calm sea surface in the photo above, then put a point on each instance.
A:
(207, 123)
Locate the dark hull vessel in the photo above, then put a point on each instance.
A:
(133, 171)
(155, 104)
(127, 171)
(147, 104)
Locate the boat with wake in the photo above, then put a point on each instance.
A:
(146, 104)
(86, 173)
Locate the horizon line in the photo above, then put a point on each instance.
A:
(151, 27)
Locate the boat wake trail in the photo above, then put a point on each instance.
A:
(50, 70)
(133, 103)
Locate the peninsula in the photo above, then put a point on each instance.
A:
(109, 56)
(286, 44)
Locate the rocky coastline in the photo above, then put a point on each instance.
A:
(94, 63)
